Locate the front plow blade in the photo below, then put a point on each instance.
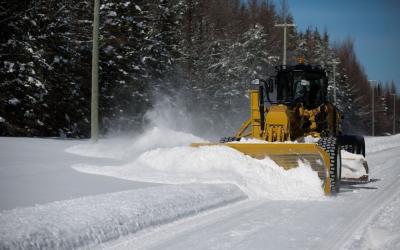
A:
(286, 155)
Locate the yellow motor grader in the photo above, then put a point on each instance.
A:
(292, 120)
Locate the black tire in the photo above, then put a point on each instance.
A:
(353, 143)
(332, 147)
(349, 148)
(361, 148)
(228, 139)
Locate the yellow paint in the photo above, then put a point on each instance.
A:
(243, 129)
(255, 115)
(277, 124)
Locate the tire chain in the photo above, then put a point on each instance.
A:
(329, 144)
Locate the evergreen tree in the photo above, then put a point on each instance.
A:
(22, 67)
(360, 110)
(202, 54)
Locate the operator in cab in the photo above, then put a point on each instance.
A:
(307, 93)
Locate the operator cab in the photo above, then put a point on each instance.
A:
(300, 84)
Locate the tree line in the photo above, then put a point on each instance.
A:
(200, 54)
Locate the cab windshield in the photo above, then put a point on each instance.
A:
(301, 87)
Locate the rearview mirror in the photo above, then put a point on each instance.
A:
(270, 85)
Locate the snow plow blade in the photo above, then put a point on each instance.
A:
(286, 155)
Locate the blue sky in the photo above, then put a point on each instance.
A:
(373, 24)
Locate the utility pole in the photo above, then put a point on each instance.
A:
(373, 105)
(334, 63)
(394, 113)
(284, 25)
(94, 121)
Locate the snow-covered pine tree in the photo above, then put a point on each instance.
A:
(250, 57)
(354, 78)
(310, 47)
(243, 62)
(22, 68)
(163, 51)
(67, 49)
(124, 71)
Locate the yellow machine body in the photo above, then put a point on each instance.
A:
(292, 120)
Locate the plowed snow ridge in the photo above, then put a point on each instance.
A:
(153, 158)
(92, 220)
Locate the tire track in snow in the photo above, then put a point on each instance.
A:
(370, 207)
(183, 228)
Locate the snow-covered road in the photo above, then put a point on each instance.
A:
(360, 217)
(227, 200)
(37, 171)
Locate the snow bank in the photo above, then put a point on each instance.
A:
(91, 220)
(375, 144)
(167, 163)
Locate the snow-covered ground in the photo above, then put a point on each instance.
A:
(360, 217)
(381, 143)
(281, 210)
(37, 171)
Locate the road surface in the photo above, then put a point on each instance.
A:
(342, 222)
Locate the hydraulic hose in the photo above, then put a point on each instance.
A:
(261, 106)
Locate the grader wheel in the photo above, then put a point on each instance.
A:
(332, 147)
